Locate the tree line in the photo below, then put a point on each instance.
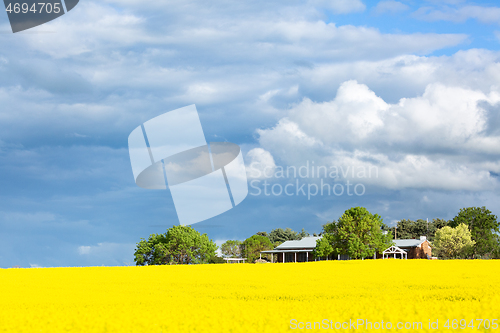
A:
(185, 245)
(473, 233)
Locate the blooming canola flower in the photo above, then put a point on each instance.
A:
(250, 297)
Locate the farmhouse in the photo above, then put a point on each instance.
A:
(301, 250)
(294, 250)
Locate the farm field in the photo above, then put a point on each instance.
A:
(254, 298)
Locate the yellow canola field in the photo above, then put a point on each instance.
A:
(254, 298)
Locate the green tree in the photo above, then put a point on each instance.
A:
(323, 246)
(278, 236)
(453, 242)
(253, 245)
(231, 248)
(358, 233)
(216, 260)
(179, 245)
(408, 229)
(484, 229)
(262, 233)
(434, 226)
(496, 253)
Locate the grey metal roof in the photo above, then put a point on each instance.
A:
(287, 251)
(304, 243)
(408, 242)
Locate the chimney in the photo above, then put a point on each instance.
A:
(422, 238)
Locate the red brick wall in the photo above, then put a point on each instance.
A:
(420, 252)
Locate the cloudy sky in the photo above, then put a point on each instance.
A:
(398, 100)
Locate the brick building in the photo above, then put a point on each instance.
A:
(415, 248)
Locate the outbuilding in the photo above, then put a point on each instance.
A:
(414, 248)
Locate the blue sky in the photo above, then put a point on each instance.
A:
(410, 88)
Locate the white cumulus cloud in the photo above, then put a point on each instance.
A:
(260, 163)
(420, 142)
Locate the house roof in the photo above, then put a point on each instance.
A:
(408, 242)
(288, 251)
(304, 243)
